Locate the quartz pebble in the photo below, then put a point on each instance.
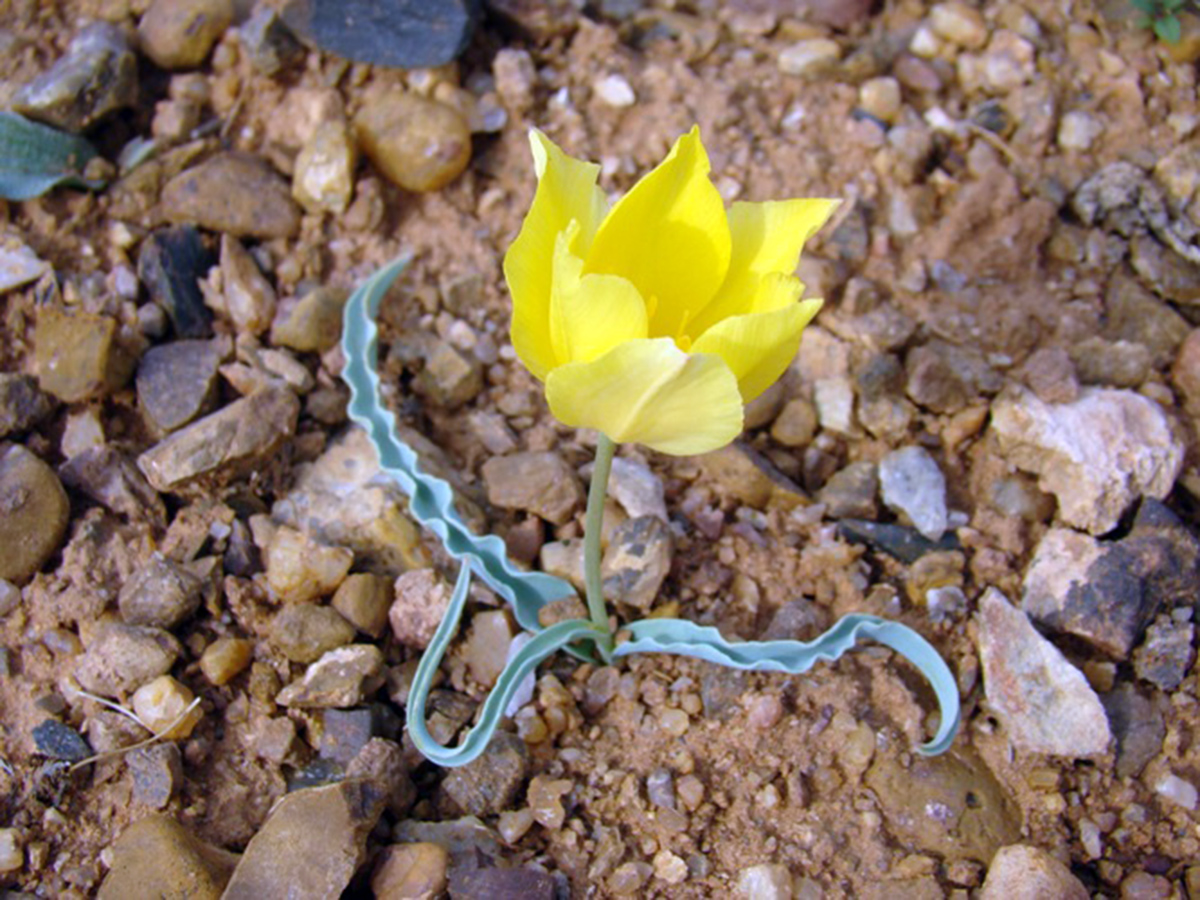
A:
(419, 144)
(164, 706)
(1078, 130)
(225, 658)
(766, 881)
(615, 91)
(421, 599)
(1182, 793)
(809, 58)
(301, 569)
(959, 23)
(323, 180)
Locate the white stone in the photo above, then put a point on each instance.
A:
(12, 854)
(1171, 787)
(959, 23)
(766, 881)
(1060, 563)
(19, 265)
(1097, 454)
(1078, 130)
(83, 431)
(925, 43)
(810, 57)
(834, 399)
(1045, 703)
(615, 91)
(635, 486)
(911, 483)
(1008, 63)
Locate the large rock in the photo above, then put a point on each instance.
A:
(158, 857)
(1019, 872)
(233, 193)
(311, 845)
(1106, 592)
(34, 511)
(231, 441)
(540, 483)
(950, 805)
(1097, 455)
(1045, 703)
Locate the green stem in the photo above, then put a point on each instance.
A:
(591, 544)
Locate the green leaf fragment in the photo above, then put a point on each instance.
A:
(1168, 29)
(35, 158)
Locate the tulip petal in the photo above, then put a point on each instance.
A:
(758, 347)
(650, 392)
(566, 192)
(669, 236)
(767, 237)
(590, 314)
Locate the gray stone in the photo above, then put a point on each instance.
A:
(171, 263)
(406, 34)
(489, 785)
(1020, 872)
(943, 377)
(304, 632)
(340, 678)
(1134, 314)
(96, 76)
(850, 493)
(177, 382)
(121, 658)
(268, 43)
(34, 512)
(22, 404)
(449, 378)
(540, 483)
(964, 810)
(232, 441)
(1137, 724)
(345, 733)
(110, 478)
(1096, 455)
(797, 620)
(1045, 703)
(1050, 373)
(660, 788)
(1120, 364)
(160, 593)
(637, 489)
(502, 884)
(1167, 274)
(233, 193)
(467, 840)
(311, 844)
(637, 561)
(1166, 654)
(312, 323)
(912, 485)
(157, 773)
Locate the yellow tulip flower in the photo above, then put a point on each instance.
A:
(655, 321)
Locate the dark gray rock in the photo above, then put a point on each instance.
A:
(177, 382)
(906, 544)
(58, 741)
(96, 76)
(161, 593)
(1137, 724)
(22, 404)
(346, 733)
(407, 34)
(170, 264)
(489, 785)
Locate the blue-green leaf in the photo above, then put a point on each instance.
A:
(35, 158)
(431, 499)
(544, 643)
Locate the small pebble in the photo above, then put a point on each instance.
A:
(411, 871)
(419, 144)
(161, 703)
(12, 850)
(1171, 787)
(36, 512)
(225, 658)
(323, 180)
(178, 34)
(810, 58)
(959, 23)
(615, 91)
(670, 868)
